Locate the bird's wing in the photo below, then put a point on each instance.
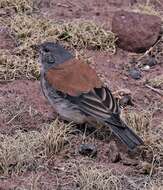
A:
(101, 104)
(73, 77)
(80, 83)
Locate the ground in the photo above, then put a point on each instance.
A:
(37, 152)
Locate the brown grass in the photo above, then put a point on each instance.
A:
(102, 178)
(23, 151)
(14, 66)
(57, 137)
(18, 5)
(146, 7)
(152, 150)
(78, 34)
(140, 122)
(156, 82)
(90, 178)
(156, 187)
(30, 30)
(19, 152)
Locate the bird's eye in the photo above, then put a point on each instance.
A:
(46, 50)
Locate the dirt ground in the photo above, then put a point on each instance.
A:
(24, 108)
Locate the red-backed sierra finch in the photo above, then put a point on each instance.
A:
(77, 94)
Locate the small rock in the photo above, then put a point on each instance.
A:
(113, 153)
(146, 67)
(126, 100)
(152, 61)
(135, 73)
(88, 150)
(136, 32)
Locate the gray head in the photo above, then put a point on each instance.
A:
(52, 54)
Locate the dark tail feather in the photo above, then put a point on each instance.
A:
(126, 135)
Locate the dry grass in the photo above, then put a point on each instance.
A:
(23, 151)
(156, 183)
(153, 143)
(140, 122)
(31, 30)
(103, 178)
(146, 8)
(156, 82)
(156, 187)
(90, 178)
(78, 34)
(18, 5)
(57, 137)
(14, 66)
(20, 151)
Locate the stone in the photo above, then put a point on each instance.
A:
(146, 67)
(135, 73)
(136, 32)
(152, 61)
(88, 150)
(6, 41)
(113, 153)
(126, 100)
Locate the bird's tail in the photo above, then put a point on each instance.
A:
(124, 133)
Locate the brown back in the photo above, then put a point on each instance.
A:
(73, 77)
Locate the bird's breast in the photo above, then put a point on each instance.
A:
(67, 110)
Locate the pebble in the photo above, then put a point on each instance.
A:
(152, 61)
(88, 150)
(146, 67)
(113, 153)
(126, 100)
(135, 73)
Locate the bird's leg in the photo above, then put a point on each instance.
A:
(85, 131)
(90, 130)
(91, 134)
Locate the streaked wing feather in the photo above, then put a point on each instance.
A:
(94, 112)
(115, 107)
(99, 102)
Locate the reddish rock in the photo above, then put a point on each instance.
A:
(136, 32)
(6, 41)
(113, 153)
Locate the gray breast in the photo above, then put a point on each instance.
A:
(66, 109)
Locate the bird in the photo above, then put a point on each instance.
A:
(78, 95)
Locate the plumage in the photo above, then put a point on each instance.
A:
(67, 78)
(77, 94)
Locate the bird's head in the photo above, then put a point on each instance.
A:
(52, 54)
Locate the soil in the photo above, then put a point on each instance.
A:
(24, 99)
